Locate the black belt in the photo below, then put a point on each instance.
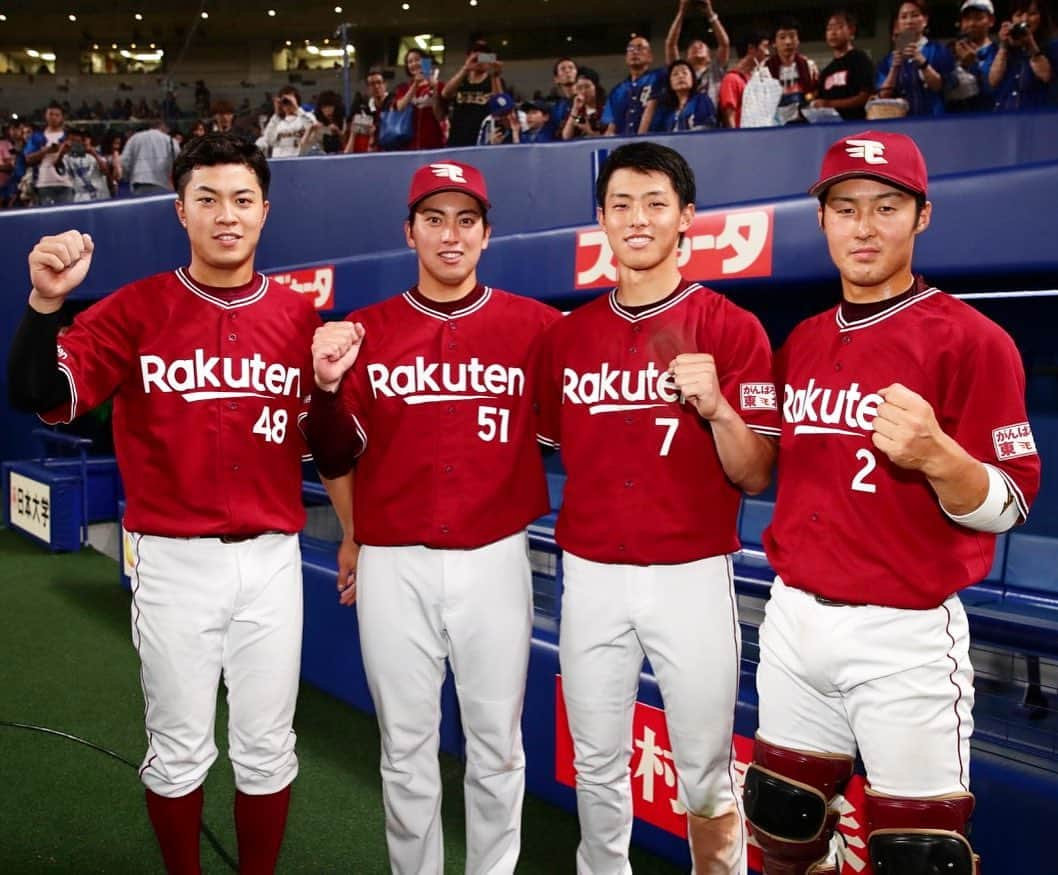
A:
(830, 603)
(237, 539)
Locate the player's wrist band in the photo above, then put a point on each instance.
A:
(997, 513)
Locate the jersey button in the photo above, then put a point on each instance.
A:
(448, 469)
(632, 348)
(233, 405)
(451, 408)
(846, 338)
(235, 467)
(444, 530)
(620, 548)
(451, 326)
(629, 420)
(814, 518)
(451, 346)
(629, 484)
(837, 366)
(232, 336)
(636, 329)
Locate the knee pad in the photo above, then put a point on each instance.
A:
(788, 798)
(920, 836)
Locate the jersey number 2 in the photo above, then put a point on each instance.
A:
(859, 482)
(272, 426)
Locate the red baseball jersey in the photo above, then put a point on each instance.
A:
(208, 386)
(850, 525)
(644, 481)
(436, 412)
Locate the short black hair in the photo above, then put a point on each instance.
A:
(749, 38)
(847, 15)
(786, 22)
(554, 67)
(648, 157)
(415, 209)
(219, 148)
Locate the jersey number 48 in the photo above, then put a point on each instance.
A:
(273, 426)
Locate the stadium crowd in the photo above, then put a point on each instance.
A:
(709, 80)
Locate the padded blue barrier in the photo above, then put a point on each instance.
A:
(52, 499)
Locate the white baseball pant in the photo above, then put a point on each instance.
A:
(416, 607)
(896, 684)
(684, 619)
(200, 608)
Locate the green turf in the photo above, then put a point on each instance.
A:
(67, 663)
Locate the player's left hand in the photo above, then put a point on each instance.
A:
(348, 556)
(694, 374)
(906, 428)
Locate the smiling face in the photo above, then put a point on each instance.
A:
(224, 211)
(643, 219)
(448, 234)
(870, 229)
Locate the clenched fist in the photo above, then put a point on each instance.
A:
(694, 374)
(335, 347)
(906, 429)
(57, 266)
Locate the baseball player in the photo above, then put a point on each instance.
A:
(208, 367)
(426, 397)
(660, 396)
(905, 448)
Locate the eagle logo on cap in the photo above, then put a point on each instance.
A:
(871, 151)
(448, 171)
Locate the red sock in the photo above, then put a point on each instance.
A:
(259, 825)
(177, 822)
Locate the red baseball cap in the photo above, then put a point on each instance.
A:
(447, 176)
(889, 157)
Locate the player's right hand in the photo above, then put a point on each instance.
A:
(57, 266)
(348, 556)
(335, 347)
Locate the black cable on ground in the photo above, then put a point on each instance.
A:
(206, 831)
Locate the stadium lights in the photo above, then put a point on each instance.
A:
(337, 10)
(72, 17)
(138, 16)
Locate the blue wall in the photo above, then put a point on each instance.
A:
(995, 188)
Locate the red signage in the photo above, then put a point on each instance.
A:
(654, 781)
(317, 282)
(720, 244)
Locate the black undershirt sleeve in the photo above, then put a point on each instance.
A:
(35, 383)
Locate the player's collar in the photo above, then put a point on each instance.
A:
(227, 299)
(852, 317)
(636, 314)
(446, 311)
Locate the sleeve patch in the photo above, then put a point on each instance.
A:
(1012, 441)
(756, 396)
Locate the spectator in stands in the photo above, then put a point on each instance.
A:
(798, 75)
(681, 106)
(847, 81)
(329, 131)
(202, 100)
(974, 51)
(378, 99)
(147, 160)
(198, 129)
(918, 68)
(423, 91)
(708, 71)
(88, 170)
(44, 153)
(287, 126)
(469, 91)
(503, 124)
(538, 128)
(752, 47)
(623, 115)
(564, 76)
(585, 113)
(222, 113)
(8, 153)
(1026, 60)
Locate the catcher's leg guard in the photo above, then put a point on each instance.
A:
(788, 797)
(920, 836)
